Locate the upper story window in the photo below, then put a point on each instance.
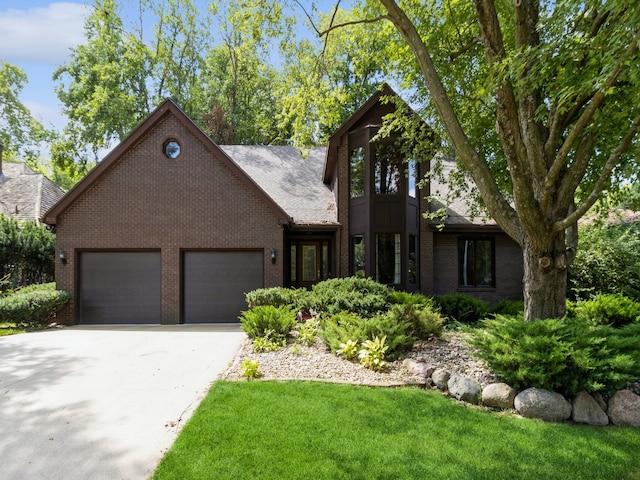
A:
(356, 173)
(171, 148)
(387, 170)
(476, 262)
(412, 178)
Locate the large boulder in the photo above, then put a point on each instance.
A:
(542, 404)
(465, 389)
(440, 378)
(624, 408)
(587, 410)
(498, 395)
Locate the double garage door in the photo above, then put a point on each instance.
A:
(126, 287)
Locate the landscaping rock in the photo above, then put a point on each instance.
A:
(465, 389)
(624, 408)
(498, 395)
(421, 369)
(542, 404)
(440, 378)
(600, 400)
(587, 410)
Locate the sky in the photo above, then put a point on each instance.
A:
(36, 35)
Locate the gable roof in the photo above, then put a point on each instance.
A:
(293, 179)
(168, 107)
(334, 140)
(25, 194)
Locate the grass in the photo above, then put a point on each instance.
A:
(8, 328)
(309, 430)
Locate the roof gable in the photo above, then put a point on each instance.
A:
(168, 107)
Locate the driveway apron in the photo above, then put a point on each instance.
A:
(103, 402)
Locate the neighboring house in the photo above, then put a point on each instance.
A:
(25, 194)
(172, 228)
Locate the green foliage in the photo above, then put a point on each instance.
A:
(307, 331)
(424, 320)
(563, 355)
(347, 326)
(27, 253)
(269, 342)
(409, 298)
(607, 261)
(615, 310)
(507, 307)
(268, 321)
(277, 297)
(32, 307)
(461, 308)
(373, 353)
(348, 350)
(362, 296)
(250, 369)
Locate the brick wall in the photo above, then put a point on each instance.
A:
(147, 201)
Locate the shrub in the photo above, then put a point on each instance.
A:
(373, 352)
(425, 321)
(250, 369)
(362, 296)
(32, 307)
(308, 331)
(507, 307)
(276, 296)
(407, 298)
(614, 310)
(607, 261)
(461, 308)
(563, 355)
(345, 326)
(268, 321)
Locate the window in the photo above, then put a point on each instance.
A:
(387, 170)
(171, 149)
(412, 178)
(358, 256)
(294, 263)
(476, 262)
(388, 258)
(356, 173)
(413, 259)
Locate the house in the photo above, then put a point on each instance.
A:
(171, 228)
(24, 194)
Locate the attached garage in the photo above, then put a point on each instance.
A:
(119, 288)
(215, 284)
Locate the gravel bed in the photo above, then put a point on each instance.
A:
(318, 363)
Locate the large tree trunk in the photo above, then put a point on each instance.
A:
(545, 280)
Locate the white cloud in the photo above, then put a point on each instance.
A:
(41, 34)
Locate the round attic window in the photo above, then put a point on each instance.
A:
(172, 149)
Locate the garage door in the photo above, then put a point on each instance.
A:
(215, 284)
(119, 287)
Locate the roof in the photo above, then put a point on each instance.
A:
(292, 178)
(168, 107)
(25, 194)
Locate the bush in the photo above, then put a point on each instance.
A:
(32, 307)
(562, 355)
(461, 308)
(425, 321)
(276, 296)
(362, 296)
(614, 310)
(607, 261)
(268, 321)
(507, 307)
(344, 326)
(405, 298)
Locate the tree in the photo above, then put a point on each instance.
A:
(541, 102)
(20, 134)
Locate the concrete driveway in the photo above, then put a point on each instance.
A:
(103, 402)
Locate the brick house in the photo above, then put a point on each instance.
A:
(171, 228)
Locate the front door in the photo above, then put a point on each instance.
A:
(309, 263)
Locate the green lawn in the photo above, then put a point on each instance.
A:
(7, 328)
(313, 431)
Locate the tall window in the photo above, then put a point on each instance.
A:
(388, 258)
(358, 256)
(476, 262)
(387, 170)
(356, 173)
(413, 259)
(412, 178)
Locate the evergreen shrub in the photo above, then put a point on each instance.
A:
(33, 306)
(268, 321)
(606, 309)
(462, 308)
(563, 355)
(362, 296)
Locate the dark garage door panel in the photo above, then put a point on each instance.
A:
(120, 287)
(215, 284)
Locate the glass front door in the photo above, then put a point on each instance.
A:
(309, 263)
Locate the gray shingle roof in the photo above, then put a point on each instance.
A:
(25, 194)
(292, 179)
